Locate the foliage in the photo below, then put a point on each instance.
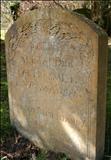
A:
(101, 14)
(6, 129)
(6, 19)
(84, 11)
(42, 155)
(9, 12)
(14, 10)
(62, 156)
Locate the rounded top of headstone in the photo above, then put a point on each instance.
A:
(54, 13)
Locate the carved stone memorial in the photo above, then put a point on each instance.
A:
(56, 67)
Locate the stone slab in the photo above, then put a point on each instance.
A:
(56, 67)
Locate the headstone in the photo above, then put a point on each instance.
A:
(56, 66)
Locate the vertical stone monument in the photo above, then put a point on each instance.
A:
(56, 67)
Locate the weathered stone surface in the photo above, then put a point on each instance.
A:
(56, 66)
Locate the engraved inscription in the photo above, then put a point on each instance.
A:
(60, 60)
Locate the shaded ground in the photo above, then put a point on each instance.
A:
(19, 148)
(15, 147)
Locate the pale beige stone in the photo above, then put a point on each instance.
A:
(56, 67)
